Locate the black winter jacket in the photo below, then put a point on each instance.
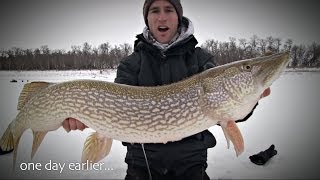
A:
(148, 66)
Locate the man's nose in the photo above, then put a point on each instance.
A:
(162, 16)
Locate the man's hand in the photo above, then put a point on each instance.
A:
(73, 124)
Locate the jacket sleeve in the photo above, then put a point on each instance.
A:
(128, 69)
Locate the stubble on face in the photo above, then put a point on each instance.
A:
(162, 21)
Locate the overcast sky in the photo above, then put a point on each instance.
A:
(62, 23)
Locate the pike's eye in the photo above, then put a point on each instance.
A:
(247, 67)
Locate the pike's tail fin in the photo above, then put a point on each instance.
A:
(10, 141)
(7, 142)
(11, 137)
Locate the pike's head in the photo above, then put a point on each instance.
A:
(232, 90)
(268, 68)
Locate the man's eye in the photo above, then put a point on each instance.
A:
(169, 10)
(154, 11)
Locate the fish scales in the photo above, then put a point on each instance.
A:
(110, 106)
(147, 114)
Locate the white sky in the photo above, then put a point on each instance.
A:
(62, 23)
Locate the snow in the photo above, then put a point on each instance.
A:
(288, 118)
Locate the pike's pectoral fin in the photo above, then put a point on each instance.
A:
(232, 133)
(38, 136)
(227, 137)
(96, 147)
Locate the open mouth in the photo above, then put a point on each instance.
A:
(163, 28)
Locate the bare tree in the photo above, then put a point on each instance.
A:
(277, 44)
(243, 43)
(253, 45)
(288, 45)
(104, 48)
(270, 43)
(263, 45)
(105, 56)
(126, 49)
(211, 46)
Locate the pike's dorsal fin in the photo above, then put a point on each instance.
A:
(29, 90)
(96, 148)
(37, 139)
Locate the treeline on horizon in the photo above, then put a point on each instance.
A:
(107, 57)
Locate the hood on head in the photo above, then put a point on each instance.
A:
(185, 30)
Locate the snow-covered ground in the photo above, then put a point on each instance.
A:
(288, 118)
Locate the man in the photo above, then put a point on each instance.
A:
(164, 53)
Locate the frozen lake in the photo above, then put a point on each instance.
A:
(288, 118)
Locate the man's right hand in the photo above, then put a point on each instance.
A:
(73, 124)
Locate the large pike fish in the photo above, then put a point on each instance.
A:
(134, 114)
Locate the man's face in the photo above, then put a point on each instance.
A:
(163, 21)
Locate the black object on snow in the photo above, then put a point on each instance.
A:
(262, 157)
